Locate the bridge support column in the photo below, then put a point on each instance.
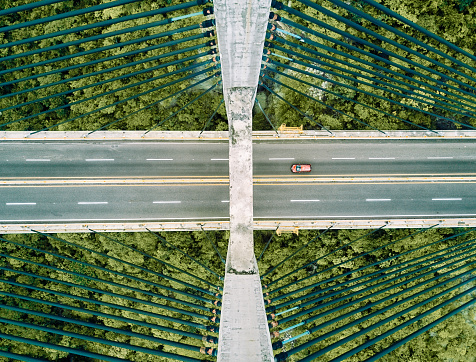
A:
(241, 28)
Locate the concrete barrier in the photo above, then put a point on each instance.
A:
(224, 135)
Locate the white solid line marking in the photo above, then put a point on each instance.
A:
(304, 200)
(92, 202)
(166, 202)
(324, 217)
(280, 158)
(381, 158)
(19, 203)
(225, 200)
(218, 159)
(160, 159)
(343, 158)
(378, 200)
(449, 199)
(437, 157)
(138, 219)
(37, 160)
(99, 159)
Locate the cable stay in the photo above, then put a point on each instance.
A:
(106, 23)
(194, 287)
(343, 97)
(408, 72)
(134, 97)
(326, 255)
(442, 82)
(55, 347)
(101, 60)
(211, 117)
(378, 74)
(196, 65)
(377, 313)
(91, 9)
(62, 105)
(375, 276)
(266, 246)
(33, 5)
(213, 246)
(98, 49)
(98, 326)
(296, 252)
(193, 75)
(115, 306)
(188, 256)
(358, 256)
(188, 285)
(399, 314)
(107, 342)
(192, 58)
(316, 303)
(362, 268)
(188, 104)
(422, 330)
(419, 28)
(293, 107)
(350, 301)
(19, 307)
(266, 116)
(19, 357)
(178, 62)
(119, 285)
(405, 36)
(119, 296)
(314, 99)
(362, 29)
(404, 93)
(373, 293)
(160, 261)
(356, 89)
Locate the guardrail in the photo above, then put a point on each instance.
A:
(281, 226)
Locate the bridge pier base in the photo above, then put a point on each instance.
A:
(244, 334)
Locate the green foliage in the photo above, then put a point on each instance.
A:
(447, 339)
(453, 338)
(161, 257)
(463, 4)
(98, 110)
(442, 18)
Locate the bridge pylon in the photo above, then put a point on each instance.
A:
(241, 29)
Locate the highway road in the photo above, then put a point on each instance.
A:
(55, 182)
(142, 159)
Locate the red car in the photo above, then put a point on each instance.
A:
(301, 168)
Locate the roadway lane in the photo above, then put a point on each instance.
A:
(145, 159)
(350, 201)
(368, 157)
(112, 159)
(112, 204)
(209, 202)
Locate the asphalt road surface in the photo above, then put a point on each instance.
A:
(115, 181)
